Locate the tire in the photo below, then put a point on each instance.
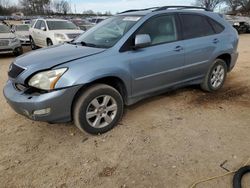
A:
(215, 76)
(32, 44)
(18, 51)
(239, 175)
(49, 42)
(102, 117)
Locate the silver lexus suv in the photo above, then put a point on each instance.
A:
(124, 59)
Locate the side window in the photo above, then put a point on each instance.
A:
(161, 29)
(195, 26)
(42, 25)
(38, 24)
(218, 28)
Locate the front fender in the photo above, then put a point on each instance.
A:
(72, 78)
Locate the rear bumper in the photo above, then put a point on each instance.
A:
(58, 102)
(234, 57)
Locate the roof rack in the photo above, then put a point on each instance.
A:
(134, 10)
(154, 9)
(181, 7)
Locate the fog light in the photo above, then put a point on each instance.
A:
(42, 112)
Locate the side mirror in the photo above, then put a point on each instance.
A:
(12, 30)
(43, 28)
(142, 40)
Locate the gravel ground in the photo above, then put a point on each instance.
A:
(170, 140)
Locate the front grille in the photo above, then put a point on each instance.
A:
(15, 70)
(73, 35)
(20, 87)
(4, 42)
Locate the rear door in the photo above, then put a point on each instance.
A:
(201, 43)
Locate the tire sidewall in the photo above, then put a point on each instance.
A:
(216, 63)
(32, 44)
(83, 102)
(49, 42)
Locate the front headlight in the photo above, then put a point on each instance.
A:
(46, 80)
(236, 24)
(59, 37)
(14, 40)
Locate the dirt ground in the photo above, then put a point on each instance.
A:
(170, 141)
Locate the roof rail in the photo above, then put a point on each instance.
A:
(134, 10)
(180, 7)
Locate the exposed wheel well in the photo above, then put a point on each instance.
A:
(47, 40)
(226, 58)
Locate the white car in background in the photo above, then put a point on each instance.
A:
(22, 33)
(47, 32)
(9, 43)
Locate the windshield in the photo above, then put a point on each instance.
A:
(4, 29)
(22, 28)
(109, 32)
(61, 25)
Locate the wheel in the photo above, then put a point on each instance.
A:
(49, 42)
(239, 175)
(18, 51)
(98, 109)
(215, 76)
(32, 44)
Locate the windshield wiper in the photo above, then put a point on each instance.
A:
(86, 44)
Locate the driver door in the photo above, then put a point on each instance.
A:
(160, 65)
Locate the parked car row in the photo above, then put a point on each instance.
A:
(240, 23)
(39, 33)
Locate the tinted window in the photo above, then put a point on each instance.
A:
(38, 24)
(195, 26)
(161, 29)
(218, 28)
(42, 25)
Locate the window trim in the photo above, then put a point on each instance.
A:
(211, 19)
(126, 46)
(37, 23)
(195, 14)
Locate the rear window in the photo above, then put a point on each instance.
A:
(195, 26)
(61, 25)
(22, 28)
(218, 28)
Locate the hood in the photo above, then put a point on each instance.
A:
(68, 31)
(47, 58)
(6, 35)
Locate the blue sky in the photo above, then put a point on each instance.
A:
(120, 5)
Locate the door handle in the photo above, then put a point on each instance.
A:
(215, 41)
(178, 48)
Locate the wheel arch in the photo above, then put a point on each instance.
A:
(112, 81)
(227, 58)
